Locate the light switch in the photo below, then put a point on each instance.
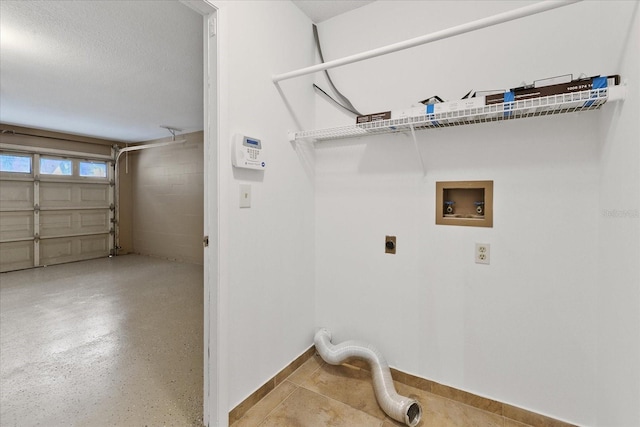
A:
(245, 196)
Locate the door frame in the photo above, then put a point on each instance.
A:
(215, 406)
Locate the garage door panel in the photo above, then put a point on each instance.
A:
(16, 255)
(64, 223)
(92, 246)
(55, 223)
(54, 249)
(58, 194)
(49, 218)
(67, 195)
(94, 194)
(16, 225)
(16, 194)
(67, 249)
(94, 221)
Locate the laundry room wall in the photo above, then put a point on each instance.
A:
(618, 308)
(528, 329)
(266, 250)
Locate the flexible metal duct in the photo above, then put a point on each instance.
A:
(400, 408)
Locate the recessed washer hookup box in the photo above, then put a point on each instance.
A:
(385, 115)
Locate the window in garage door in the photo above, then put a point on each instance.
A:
(54, 210)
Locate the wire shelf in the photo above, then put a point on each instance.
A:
(534, 107)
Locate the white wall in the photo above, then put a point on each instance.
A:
(535, 328)
(619, 227)
(267, 251)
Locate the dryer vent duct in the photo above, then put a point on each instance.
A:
(400, 408)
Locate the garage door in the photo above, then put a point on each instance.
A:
(54, 209)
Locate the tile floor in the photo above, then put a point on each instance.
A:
(321, 395)
(108, 342)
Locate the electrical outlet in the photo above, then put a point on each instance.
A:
(483, 252)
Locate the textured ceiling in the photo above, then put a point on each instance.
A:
(112, 69)
(321, 10)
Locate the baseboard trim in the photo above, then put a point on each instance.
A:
(508, 411)
(242, 408)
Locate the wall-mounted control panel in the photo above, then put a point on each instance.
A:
(248, 153)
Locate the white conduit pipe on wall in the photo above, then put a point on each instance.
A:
(438, 35)
(400, 408)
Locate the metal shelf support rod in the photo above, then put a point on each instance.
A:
(427, 38)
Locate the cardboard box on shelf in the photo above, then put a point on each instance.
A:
(528, 92)
(409, 112)
(462, 104)
(385, 115)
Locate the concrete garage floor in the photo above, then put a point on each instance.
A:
(108, 342)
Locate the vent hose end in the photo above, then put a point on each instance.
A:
(413, 414)
(400, 408)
